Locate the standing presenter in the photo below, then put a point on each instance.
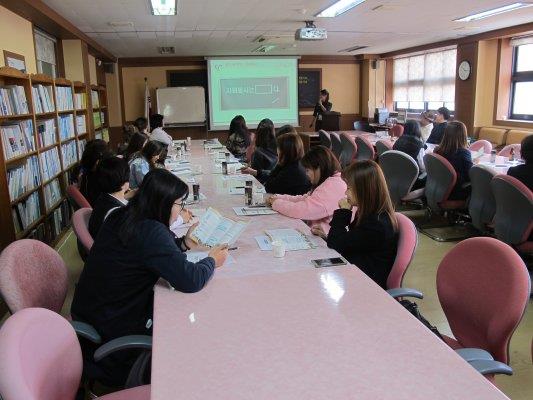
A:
(323, 106)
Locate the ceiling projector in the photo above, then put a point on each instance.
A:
(311, 32)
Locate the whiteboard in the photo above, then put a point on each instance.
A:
(181, 105)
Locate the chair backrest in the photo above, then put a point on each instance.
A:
(494, 135)
(506, 151)
(481, 144)
(483, 287)
(515, 136)
(400, 171)
(32, 274)
(441, 178)
(75, 195)
(324, 138)
(407, 243)
(336, 145)
(396, 130)
(80, 225)
(382, 146)
(514, 207)
(365, 149)
(349, 149)
(40, 357)
(482, 205)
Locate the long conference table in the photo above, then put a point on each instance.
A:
(268, 328)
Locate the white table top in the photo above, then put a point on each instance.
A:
(297, 333)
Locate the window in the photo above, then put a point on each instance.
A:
(425, 82)
(522, 83)
(45, 51)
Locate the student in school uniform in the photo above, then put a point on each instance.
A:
(439, 126)
(317, 207)
(135, 145)
(524, 172)
(158, 134)
(145, 161)
(411, 143)
(370, 240)
(288, 177)
(426, 124)
(454, 147)
(265, 155)
(239, 137)
(95, 151)
(132, 251)
(113, 176)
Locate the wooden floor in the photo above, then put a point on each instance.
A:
(421, 275)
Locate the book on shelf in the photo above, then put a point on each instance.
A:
(50, 165)
(97, 119)
(23, 178)
(57, 221)
(39, 233)
(13, 100)
(98, 134)
(81, 146)
(80, 100)
(26, 212)
(70, 154)
(105, 134)
(66, 127)
(95, 99)
(81, 126)
(52, 194)
(17, 138)
(43, 98)
(46, 132)
(214, 229)
(64, 98)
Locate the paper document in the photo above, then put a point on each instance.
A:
(264, 243)
(215, 229)
(252, 211)
(195, 256)
(293, 239)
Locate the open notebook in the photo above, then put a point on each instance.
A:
(214, 229)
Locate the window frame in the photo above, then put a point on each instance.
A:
(413, 111)
(38, 65)
(517, 77)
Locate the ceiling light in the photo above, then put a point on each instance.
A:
(494, 11)
(338, 8)
(163, 7)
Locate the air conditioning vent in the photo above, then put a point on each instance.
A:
(352, 49)
(166, 50)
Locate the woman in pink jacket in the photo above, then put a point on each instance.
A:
(316, 207)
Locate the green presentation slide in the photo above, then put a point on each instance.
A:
(256, 88)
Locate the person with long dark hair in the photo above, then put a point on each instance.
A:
(133, 250)
(145, 161)
(239, 137)
(323, 106)
(95, 151)
(370, 239)
(327, 188)
(135, 145)
(412, 144)
(454, 148)
(265, 156)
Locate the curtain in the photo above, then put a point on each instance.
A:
(427, 77)
(45, 48)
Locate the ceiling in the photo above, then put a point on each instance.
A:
(229, 27)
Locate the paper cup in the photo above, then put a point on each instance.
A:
(278, 248)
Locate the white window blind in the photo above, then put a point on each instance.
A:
(46, 53)
(425, 78)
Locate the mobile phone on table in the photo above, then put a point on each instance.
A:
(329, 262)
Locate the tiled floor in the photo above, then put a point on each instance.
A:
(421, 275)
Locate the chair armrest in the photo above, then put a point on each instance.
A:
(123, 343)
(405, 292)
(473, 354)
(490, 367)
(86, 331)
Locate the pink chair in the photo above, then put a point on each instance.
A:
(80, 225)
(40, 359)
(383, 146)
(441, 179)
(365, 149)
(349, 149)
(75, 195)
(483, 287)
(396, 130)
(481, 144)
(407, 243)
(32, 274)
(506, 151)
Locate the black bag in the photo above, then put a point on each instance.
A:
(412, 307)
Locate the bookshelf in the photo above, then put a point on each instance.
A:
(43, 129)
(100, 112)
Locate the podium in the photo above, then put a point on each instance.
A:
(331, 121)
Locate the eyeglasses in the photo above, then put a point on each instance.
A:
(181, 204)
